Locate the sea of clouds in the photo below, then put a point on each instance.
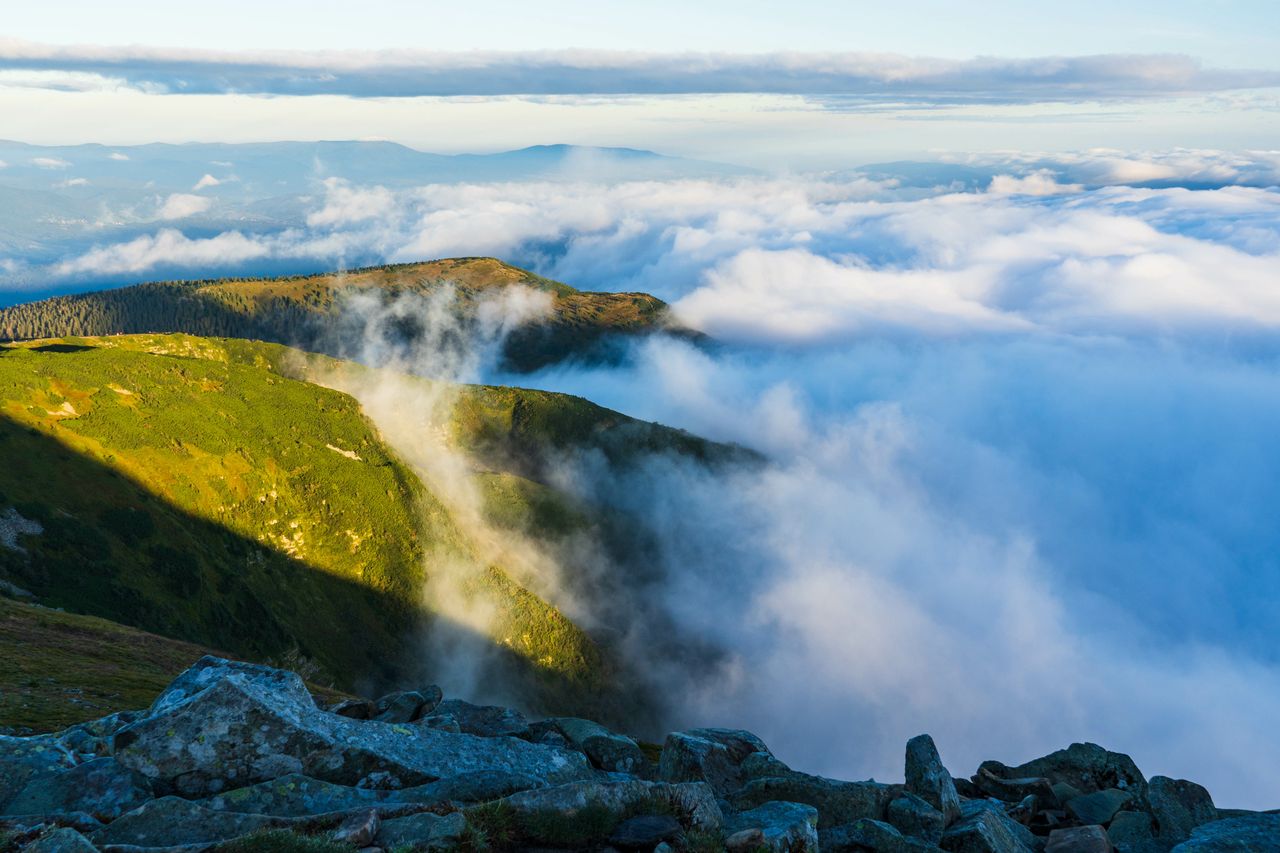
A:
(1024, 441)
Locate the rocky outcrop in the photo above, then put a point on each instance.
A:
(231, 751)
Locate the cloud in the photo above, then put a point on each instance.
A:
(1040, 182)
(74, 182)
(182, 205)
(206, 181)
(166, 248)
(411, 73)
(118, 155)
(50, 163)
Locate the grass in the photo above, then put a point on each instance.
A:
(58, 669)
(282, 841)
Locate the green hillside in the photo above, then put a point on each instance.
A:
(200, 489)
(304, 311)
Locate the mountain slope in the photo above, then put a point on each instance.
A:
(304, 311)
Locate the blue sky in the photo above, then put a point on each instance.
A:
(1226, 32)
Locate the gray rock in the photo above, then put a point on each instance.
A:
(986, 830)
(100, 787)
(864, 835)
(94, 737)
(479, 787)
(760, 765)
(741, 744)
(928, 779)
(172, 821)
(1017, 790)
(21, 758)
(399, 707)
(1178, 807)
(484, 720)
(689, 758)
(1259, 833)
(1100, 806)
(220, 726)
(606, 750)
(60, 839)
(355, 709)
(294, 795)
(359, 829)
(424, 831)
(912, 816)
(837, 802)
(1085, 766)
(446, 723)
(695, 802)
(1078, 839)
(645, 832)
(775, 826)
(1134, 832)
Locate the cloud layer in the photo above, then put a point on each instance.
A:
(410, 73)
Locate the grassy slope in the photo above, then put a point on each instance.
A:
(170, 487)
(301, 310)
(58, 669)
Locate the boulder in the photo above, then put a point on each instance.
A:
(914, 817)
(1178, 807)
(608, 802)
(1099, 807)
(606, 750)
(223, 725)
(986, 830)
(1078, 839)
(294, 795)
(928, 779)
(837, 802)
(741, 744)
(60, 839)
(1257, 833)
(774, 826)
(1134, 832)
(399, 707)
(449, 723)
(172, 821)
(359, 829)
(21, 758)
(864, 835)
(425, 831)
(645, 832)
(1085, 766)
(93, 739)
(689, 758)
(100, 787)
(479, 787)
(355, 709)
(484, 720)
(1017, 790)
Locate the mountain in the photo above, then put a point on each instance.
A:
(203, 490)
(307, 311)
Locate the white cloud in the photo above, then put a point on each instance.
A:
(118, 155)
(50, 162)
(74, 182)
(182, 205)
(206, 181)
(167, 247)
(347, 205)
(1040, 182)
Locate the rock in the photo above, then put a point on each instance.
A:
(294, 796)
(94, 737)
(425, 831)
(399, 707)
(928, 779)
(912, 816)
(717, 757)
(172, 821)
(61, 839)
(228, 725)
(355, 709)
(1085, 766)
(1017, 790)
(760, 765)
(694, 802)
(359, 829)
(775, 826)
(1134, 832)
(484, 720)
(741, 744)
(1178, 807)
(1078, 839)
(21, 758)
(984, 828)
(449, 723)
(603, 748)
(1258, 833)
(1099, 807)
(478, 787)
(645, 832)
(664, 847)
(864, 835)
(100, 787)
(837, 802)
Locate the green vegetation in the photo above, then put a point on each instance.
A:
(58, 669)
(303, 310)
(283, 841)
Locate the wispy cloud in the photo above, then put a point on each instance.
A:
(408, 73)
